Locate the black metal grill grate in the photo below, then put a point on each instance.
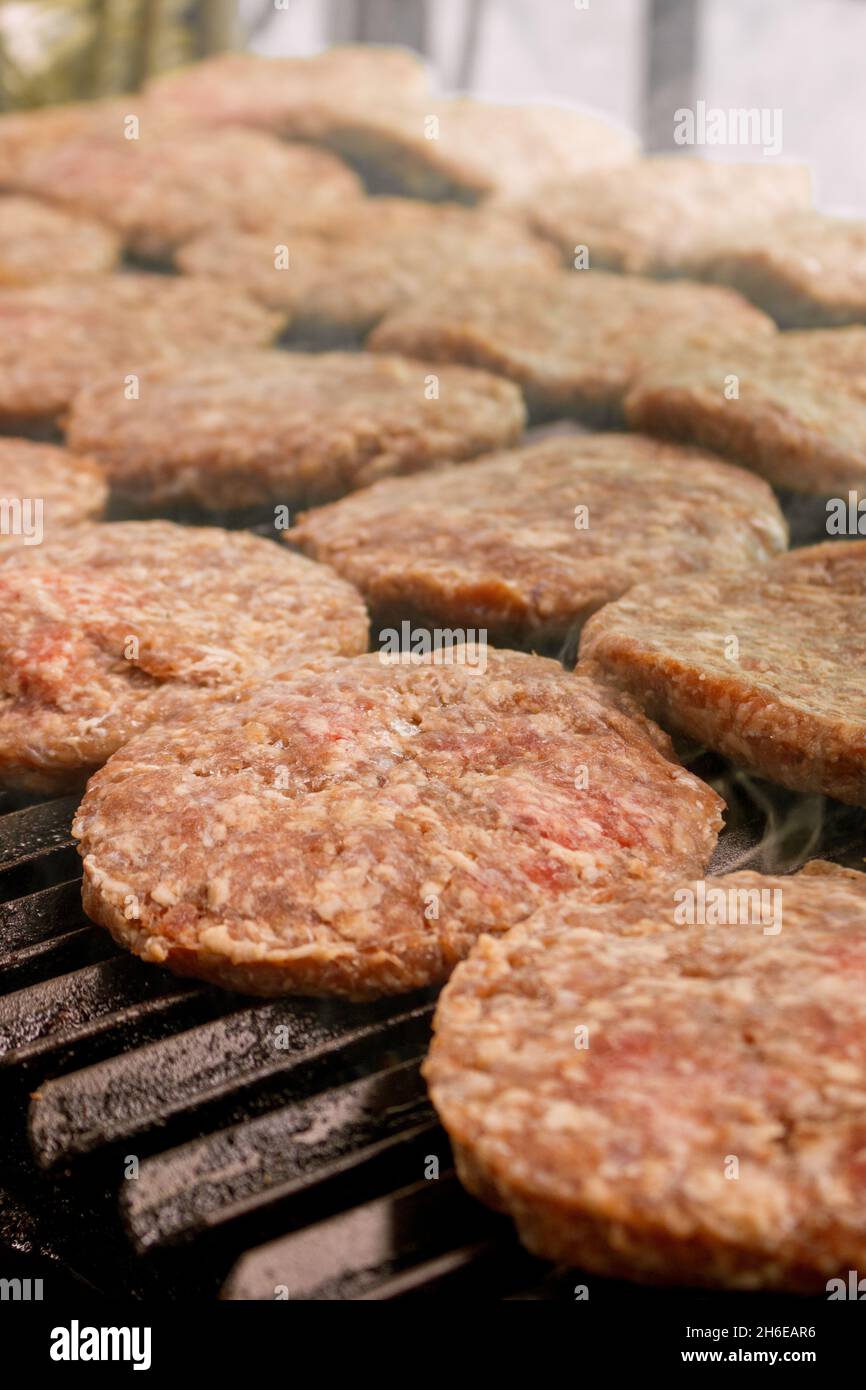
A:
(301, 1120)
(282, 1147)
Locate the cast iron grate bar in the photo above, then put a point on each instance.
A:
(351, 1255)
(67, 1008)
(489, 1269)
(37, 830)
(235, 1171)
(60, 955)
(127, 1095)
(39, 918)
(429, 1272)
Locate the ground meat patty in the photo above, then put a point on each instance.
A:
(798, 416)
(54, 338)
(573, 340)
(655, 216)
(166, 186)
(38, 242)
(766, 669)
(25, 134)
(526, 543)
(233, 430)
(351, 830)
(466, 149)
(298, 98)
(119, 625)
(669, 1103)
(339, 274)
(43, 491)
(807, 271)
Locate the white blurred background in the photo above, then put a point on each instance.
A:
(636, 60)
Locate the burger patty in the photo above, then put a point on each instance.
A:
(44, 490)
(790, 405)
(806, 271)
(573, 341)
(464, 149)
(670, 1103)
(39, 242)
(30, 133)
(230, 430)
(55, 337)
(296, 98)
(339, 274)
(765, 668)
(119, 625)
(351, 830)
(527, 543)
(655, 216)
(165, 186)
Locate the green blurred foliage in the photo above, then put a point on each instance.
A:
(66, 50)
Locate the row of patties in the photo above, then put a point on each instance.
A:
(281, 810)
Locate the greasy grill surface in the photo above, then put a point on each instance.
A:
(167, 1140)
(155, 1120)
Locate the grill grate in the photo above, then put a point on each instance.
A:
(280, 1147)
(245, 1120)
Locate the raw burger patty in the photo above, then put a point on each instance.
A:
(705, 1044)
(498, 544)
(466, 149)
(799, 419)
(234, 429)
(655, 216)
(297, 98)
(27, 134)
(119, 625)
(346, 270)
(574, 340)
(806, 271)
(54, 338)
(352, 830)
(167, 186)
(765, 668)
(34, 478)
(39, 242)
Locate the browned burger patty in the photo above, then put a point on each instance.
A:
(164, 187)
(352, 830)
(573, 340)
(789, 405)
(55, 338)
(655, 216)
(116, 626)
(25, 134)
(466, 149)
(338, 273)
(372, 105)
(526, 543)
(806, 270)
(297, 98)
(44, 491)
(669, 1103)
(765, 668)
(39, 242)
(235, 429)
